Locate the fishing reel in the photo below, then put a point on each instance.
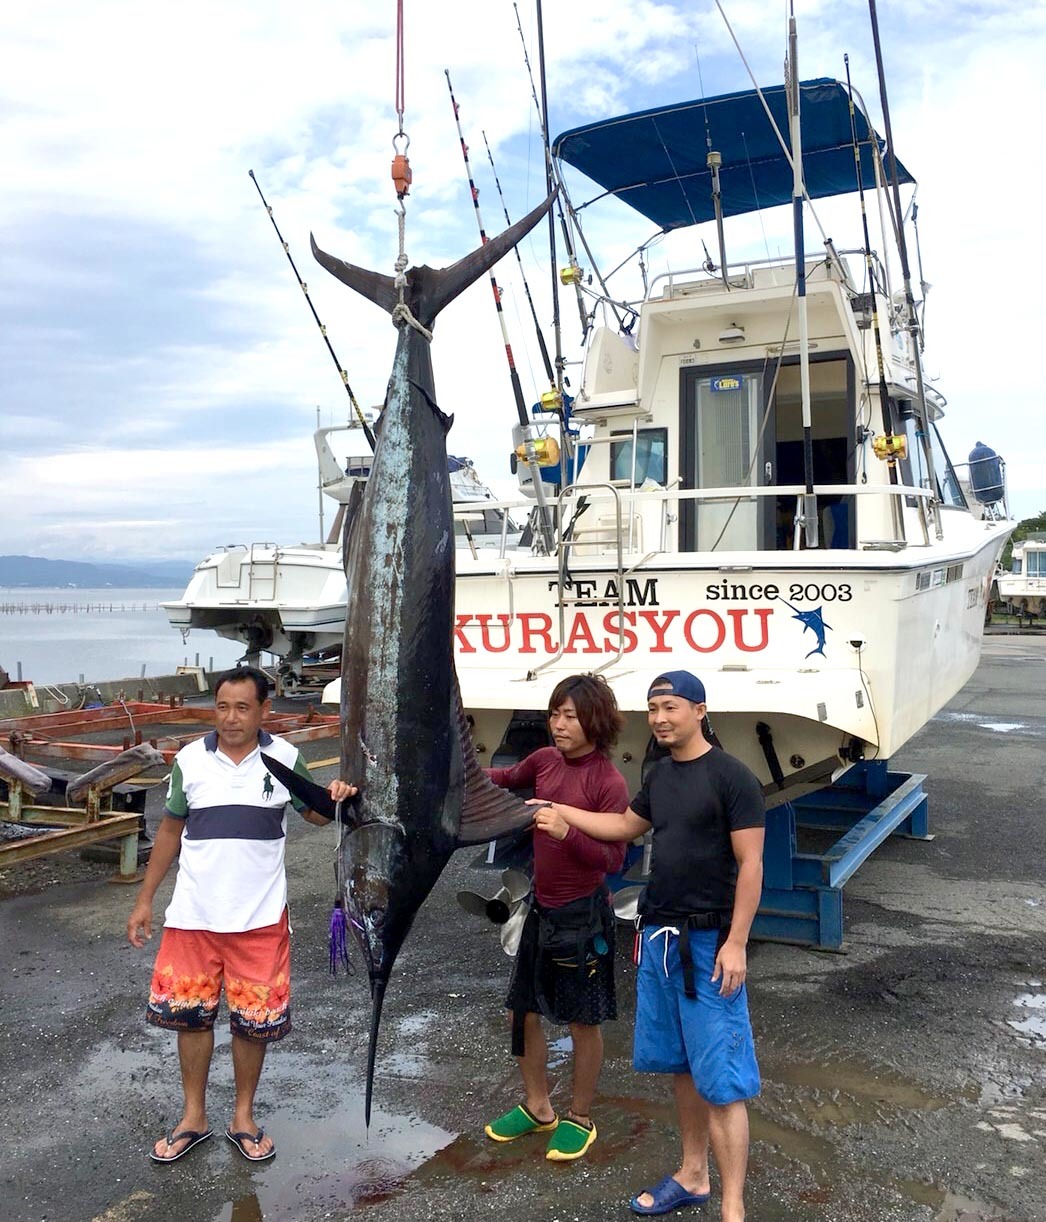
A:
(889, 447)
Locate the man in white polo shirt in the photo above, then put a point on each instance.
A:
(225, 817)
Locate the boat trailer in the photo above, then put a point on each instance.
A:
(87, 816)
(91, 811)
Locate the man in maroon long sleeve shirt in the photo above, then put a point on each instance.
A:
(572, 984)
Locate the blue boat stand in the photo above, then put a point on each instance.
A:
(803, 891)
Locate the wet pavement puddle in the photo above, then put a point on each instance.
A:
(1031, 1024)
(362, 1176)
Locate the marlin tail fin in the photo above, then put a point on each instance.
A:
(430, 289)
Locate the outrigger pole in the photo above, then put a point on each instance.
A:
(807, 520)
(544, 520)
(909, 300)
(884, 392)
(550, 373)
(323, 330)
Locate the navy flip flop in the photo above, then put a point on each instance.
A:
(194, 1137)
(239, 1140)
(668, 1196)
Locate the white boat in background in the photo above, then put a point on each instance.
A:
(290, 601)
(1023, 589)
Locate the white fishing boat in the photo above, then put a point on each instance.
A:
(290, 600)
(763, 495)
(1023, 589)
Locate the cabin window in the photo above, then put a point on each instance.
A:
(651, 457)
(948, 488)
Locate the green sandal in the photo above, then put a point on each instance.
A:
(518, 1123)
(569, 1141)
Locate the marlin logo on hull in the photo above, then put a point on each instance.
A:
(812, 621)
(404, 737)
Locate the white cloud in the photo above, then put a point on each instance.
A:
(157, 350)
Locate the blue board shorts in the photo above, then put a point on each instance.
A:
(709, 1037)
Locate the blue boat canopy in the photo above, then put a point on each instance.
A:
(655, 160)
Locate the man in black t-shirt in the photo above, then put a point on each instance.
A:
(707, 815)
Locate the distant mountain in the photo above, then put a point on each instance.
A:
(30, 571)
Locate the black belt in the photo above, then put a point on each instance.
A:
(697, 920)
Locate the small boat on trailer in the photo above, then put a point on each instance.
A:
(761, 498)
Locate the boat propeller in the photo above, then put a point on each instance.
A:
(507, 907)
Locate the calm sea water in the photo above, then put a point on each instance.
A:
(69, 640)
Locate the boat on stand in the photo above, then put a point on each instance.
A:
(762, 493)
(1022, 591)
(290, 600)
(750, 483)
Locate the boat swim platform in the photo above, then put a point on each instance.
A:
(802, 899)
(103, 732)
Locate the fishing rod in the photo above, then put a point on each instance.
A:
(542, 112)
(323, 330)
(529, 449)
(807, 520)
(546, 359)
(884, 393)
(909, 300)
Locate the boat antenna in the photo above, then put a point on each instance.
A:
(713, 160)
(909, 300)
(323, 330)
(769, 113)
(807, 519)
(529, 450)
(550, 373)
(924, 288)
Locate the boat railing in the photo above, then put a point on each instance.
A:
(743, 275)
(629, 504)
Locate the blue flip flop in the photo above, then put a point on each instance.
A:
(668, 1195)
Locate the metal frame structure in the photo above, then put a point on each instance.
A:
(803, 891)
(59, 735)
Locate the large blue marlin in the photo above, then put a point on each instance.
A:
(405, 741)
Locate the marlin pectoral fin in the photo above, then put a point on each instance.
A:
(314, 796)
(487, 810)
(372, 285)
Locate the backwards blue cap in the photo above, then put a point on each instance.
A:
(678, 683)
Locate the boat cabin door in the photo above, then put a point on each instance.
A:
(724, 445)
(734, 435)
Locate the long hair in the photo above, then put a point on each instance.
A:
(596, 707)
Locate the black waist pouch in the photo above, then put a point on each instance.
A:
(570, 933)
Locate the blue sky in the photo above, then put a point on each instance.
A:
(160, 371)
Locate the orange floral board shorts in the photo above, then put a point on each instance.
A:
(255, 967)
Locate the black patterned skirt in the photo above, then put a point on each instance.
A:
(564, 987)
